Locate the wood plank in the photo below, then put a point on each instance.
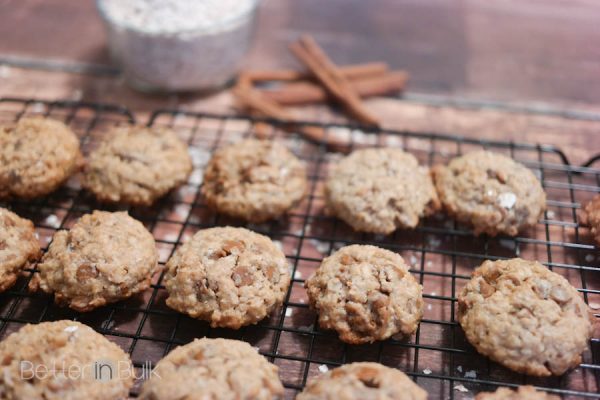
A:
(510, 50)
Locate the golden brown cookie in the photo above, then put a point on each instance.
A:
(214, 369)
(63, 360)
(491, 192)
(525, 317)
(137, 165)
(366, 294)
(362, 381)
(231, 277)
(105, 257)
(255, 180)
(590, 216)
(379, 190)
(522, 393)
(19, 247)
(36, 156)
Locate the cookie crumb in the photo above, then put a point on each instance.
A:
(323, 368)
(321, 247)
(52, 220)
(433, 242)
(471, 374)
(461, 388)
(427, 371)
(459, 368)
(289, 311)
(551, 214)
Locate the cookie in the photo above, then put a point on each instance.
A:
(63, 360)
(590, 217)
(362, 381)
(214, 369)
(522, 393)
(366, 294)
(379, 190)
(254, 180)
(105, 257)
(230, 277)
(525, 317)
(491, 192)
(137, 165)
(19, 247)
(36, 156)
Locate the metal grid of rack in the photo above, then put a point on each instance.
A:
(441, 252)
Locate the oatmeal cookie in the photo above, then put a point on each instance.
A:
(362, 381)
(590, 217)
(525, 317)
(105, 257)
(491, 192)
(366, 294)
(228, 276)
(63, 360)
(522, 393)
(19, 247)
(379, 190)
(214, 369)
(254, 180)
(36, 156)
(137, 165)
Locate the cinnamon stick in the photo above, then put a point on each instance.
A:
(255, 101)
(305, 92)
(309, 53)
(356, 71)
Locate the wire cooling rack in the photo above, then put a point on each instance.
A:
(441, 253)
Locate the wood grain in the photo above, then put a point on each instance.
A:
(510, 50)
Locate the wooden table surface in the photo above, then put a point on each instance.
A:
(504, 70)
(508, 70)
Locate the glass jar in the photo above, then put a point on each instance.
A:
(203, 59)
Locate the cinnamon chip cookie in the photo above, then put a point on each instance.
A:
(137, 165)
(36, 156)
(525, 317)
(379, 190)
(230, 277)
(19, 247)
(63, 360)
(105, 257)
(591, 217)
(491, 192)
(254, 180)
(362, 381)
(366, 294)
(522, 393)
(214, 369)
